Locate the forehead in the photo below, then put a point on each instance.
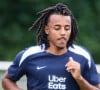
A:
(57, 18)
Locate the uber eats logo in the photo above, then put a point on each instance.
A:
(55, 82)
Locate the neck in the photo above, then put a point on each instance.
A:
(56, 51)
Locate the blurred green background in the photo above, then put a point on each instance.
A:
(16, 16)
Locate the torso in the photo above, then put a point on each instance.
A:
(48, 72)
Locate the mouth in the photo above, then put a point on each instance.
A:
(62, 39)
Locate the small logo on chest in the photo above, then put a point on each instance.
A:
(40, 67)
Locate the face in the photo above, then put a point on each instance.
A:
(58, 30)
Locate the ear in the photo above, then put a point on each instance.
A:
(46, 30)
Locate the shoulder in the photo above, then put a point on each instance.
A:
(80, 50)
(29, 51)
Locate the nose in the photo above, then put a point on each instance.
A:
(63, 31)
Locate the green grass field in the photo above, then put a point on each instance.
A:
(21, 83)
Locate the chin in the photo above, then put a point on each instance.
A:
(61, 47)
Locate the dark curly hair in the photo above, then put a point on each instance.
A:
(42, 21)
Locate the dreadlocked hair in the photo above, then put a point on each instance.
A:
(42, 21)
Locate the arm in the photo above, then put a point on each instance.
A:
(8, 83)
(74, 68)
(84, 85)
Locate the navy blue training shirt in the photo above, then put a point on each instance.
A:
(45, 71)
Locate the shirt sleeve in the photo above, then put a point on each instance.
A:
(15, 71)
(91, 73)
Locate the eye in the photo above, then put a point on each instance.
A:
(57, 27)
(67, 27)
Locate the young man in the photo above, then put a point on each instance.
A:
(55, 63)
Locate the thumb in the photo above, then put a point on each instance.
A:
(71, 59)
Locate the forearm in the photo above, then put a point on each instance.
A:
(84, 85)
(8, 84)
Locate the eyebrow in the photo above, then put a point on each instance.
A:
(60, 25)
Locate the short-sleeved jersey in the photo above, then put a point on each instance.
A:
(45, 71)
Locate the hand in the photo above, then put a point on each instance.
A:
(74, 68)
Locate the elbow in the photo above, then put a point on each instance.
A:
(4, 80)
